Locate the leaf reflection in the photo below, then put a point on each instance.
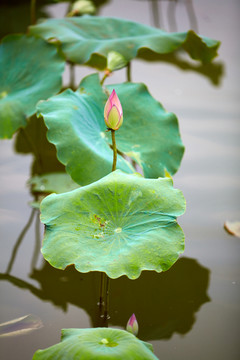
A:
(164, 303)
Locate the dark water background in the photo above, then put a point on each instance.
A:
(192, 311)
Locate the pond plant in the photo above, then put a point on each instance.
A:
(119, 146)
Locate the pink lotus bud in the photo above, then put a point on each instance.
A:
(113, 114)
(132, 325)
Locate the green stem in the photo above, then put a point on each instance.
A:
(129, 72)
(105, 280)
(102, 283)
(72, 76)
(106, 307)
(33, 12)
(114, 147)
(104, 78)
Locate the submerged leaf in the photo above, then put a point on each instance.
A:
(30, 70)
(149, 135)
(90, 39)
(20, 326)
(97, 343)
(121, 225)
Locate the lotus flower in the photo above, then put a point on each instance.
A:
(132, 325)
(113, 114)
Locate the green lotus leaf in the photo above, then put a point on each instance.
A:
(89, 39)
(30, 70)
(97, 343)
(77, 128)
(54, 182)
(121, 225)
(149, 134)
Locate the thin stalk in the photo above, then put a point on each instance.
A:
(33, 12)
(106, 74)
(72, 76)
(102, 283)
(129, 77)
(156, 14)
(106, 307)
(105, 280)
(192, 16)
(19, 241)
(37, 242)
(114, 147)
(172, 15)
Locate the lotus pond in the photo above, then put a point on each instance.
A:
(114, 240)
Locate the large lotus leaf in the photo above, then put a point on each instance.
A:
(121, 225)
(77, 128)
(90, 39)
(97, 343)
(30, 70)
(149, 134)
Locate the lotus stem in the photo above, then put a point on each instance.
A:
(114, 147)
(102, 283)
(72, 76)
(105, 280)
(129, 77)
(104, 78)
(106, 307)
(33, 12)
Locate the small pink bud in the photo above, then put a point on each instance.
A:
(113, 114)
(132, 325)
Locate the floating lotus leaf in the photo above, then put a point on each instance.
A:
(30, 70)
(99, 344)
(90, 39)
(75, 120)
(121, 225)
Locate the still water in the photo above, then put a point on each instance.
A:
(192, 310)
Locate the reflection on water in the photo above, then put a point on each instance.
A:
(212, 71)
(32, 140)
(164, 303)
(158, 18)
(19, 241)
